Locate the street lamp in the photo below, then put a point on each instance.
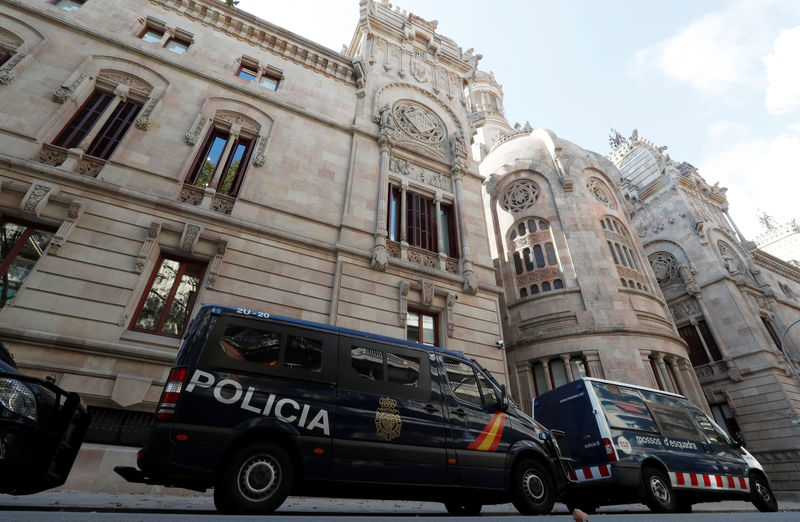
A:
(783, 350)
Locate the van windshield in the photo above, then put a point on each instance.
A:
(624, 408)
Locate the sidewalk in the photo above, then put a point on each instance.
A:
(82, 500)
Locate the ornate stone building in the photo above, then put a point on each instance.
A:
(156, 155)
(731, 302)
(160, 154)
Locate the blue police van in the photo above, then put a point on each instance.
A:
(631, 444)
(259, 407)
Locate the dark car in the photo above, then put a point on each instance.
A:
(259, 407)
(41, 430)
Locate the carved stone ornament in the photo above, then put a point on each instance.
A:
(147, 247)
(216, 263)
(37, 196)
(402, 299)
(234, 118)
(418, 122)
(688, 308)
(729, 259)
(665, 266)
(406, 168)
(380, 258)
(259, 160)
(193, 135)
(428, 291)
(74, 212)
(451, 302)
(520, 195)
(6, 73)
(601, 193)
(143, 120)
(191, 233)
(419, 70)
(116, 78)
(61, 94)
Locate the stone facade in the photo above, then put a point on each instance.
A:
(306, 236)
(731, 302)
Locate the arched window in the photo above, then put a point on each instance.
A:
(629, 268)
(535, 258)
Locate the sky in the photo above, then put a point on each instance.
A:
(717, 82)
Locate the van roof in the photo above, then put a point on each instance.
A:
(652, 390)
(255, 314)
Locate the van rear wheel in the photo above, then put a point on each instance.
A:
(532, 488)
(463, 508)
(256, 480)
(762, 497)
(659, 496)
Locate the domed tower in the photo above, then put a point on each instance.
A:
(485, 98)
(580, 296)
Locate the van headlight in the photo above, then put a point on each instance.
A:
(17, 398)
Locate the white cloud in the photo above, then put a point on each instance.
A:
(783, 73)
(760, 174)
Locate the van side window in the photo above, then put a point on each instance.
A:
(367, 363)
(624, 408)
(402, 369)
(465, 385)
(673, 422)
(270, 348)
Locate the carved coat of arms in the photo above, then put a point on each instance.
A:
(387, 419)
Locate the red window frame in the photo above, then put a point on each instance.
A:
(83, 120)
(184, 265)
(12, 254)
(114, 129)
(420, 314)
(421, 222)
(200, 159)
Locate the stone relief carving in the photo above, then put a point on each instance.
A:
(418, 122)
(520, 195)
(143, 120)
(451, 303)
(428, 291)
(419, 70)
(259, 160)
(688, 308)
(388, 132)
(729, 260)
(193, 135)
(216, 263)
(115, 78)
(6, 71)
(601, 193)
(147, 247)
(665, 266)
(61, 94)
(74, 212)
(37, 196)
(403, 303)
(191, 233)
(406, 168)
(235, 118)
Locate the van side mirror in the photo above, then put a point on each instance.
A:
(502, 401)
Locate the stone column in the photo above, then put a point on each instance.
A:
(567, 367)
(380, 256)
(666, 378)
(215, 178)
(694, 323)
(458, 151)
(648, 368)
(526, 389)
(676, 371)
(593, 366)
(546, 367)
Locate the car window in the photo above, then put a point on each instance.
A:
(271, 348)
(624, 408)
(674, 422)
(402, 369)
(367, 363)
(706, 426)
(462, 381)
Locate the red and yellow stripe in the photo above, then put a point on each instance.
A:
(490, 437)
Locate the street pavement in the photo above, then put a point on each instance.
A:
(203, 503)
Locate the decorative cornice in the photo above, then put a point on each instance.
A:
(778, 266)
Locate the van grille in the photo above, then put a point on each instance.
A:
(118, 427)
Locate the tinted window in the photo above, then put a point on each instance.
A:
(461, 378)
(267, 347)
(402, 369)
(624, 407)
(367, 363)
(674, 422)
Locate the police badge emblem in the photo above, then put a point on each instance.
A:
(387, 419)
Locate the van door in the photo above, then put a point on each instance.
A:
(731, 466)
(389, 419)
(476, 425)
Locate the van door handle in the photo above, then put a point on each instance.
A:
(460, 411)
(430, 408)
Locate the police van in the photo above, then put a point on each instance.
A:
(630, 443)
(259, 407)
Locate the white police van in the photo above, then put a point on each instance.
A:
(259, 407)
(631, 444)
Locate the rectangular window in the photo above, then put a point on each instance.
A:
(447, 225)
(171, 292)
(83, 121)
(402, 369)
(393, 222)
(420, 222)
(674, 422)
(21, 246)
(266, 347)
(697, 354)
(246, 73)
(624, 408)
(154, 31)
(367, 363)
(461, 378)
(772, 333)
(211, 154)
(269, 82)
(422, 327)
(177, 45)
(152, 35)
(114, 129)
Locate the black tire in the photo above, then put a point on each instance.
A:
(532, 489)
(256, 480)
(658, 494)
(463, 508)
(761, 494)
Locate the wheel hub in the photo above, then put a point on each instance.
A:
(259, 477)
(659, 490)
(533, 486)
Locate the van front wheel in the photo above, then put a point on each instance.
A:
(762, 495)
(532, 488)
(659, 496)
(256, 480)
